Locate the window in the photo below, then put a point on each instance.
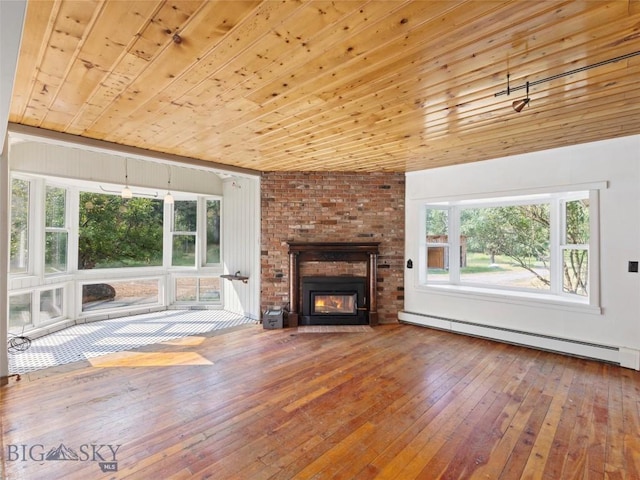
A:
(537, 243)
(438, 244)
(212, 256)
(195, 232)
(120, 294)
(20, 312)
(201, 290)
(505, 245)
(119, 233)
(20, 213)
(56, 231)
(183, 233)
(51, 305)
(575, 246)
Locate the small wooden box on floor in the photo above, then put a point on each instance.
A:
(273, 319)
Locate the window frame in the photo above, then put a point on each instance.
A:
(31, 255)
(35, 303)
(557, 220)
(564, 245)
(170, 233)
(85, 311)
(427, 244)
(64, 229)
(204, 228)
(75, 240)
(200, 233)
(198, 290)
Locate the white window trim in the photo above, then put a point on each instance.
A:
(516, 297)
(484, 197)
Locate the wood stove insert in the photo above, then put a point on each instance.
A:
(366, 308)
(334, 301)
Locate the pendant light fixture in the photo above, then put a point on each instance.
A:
(168, 198)
(126, 191)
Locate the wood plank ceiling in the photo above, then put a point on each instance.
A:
(352, 85)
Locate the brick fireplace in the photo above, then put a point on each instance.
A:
(333, 207)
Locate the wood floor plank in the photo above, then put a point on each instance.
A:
(614, 444)
(534, 469)
(524, 398)
(558, 454)
(518, 460)
(400, 402)
(585, 455)
(631, 422)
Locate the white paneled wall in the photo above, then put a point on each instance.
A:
(241, 244)
(78, 164)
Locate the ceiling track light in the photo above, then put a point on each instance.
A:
(518, 105)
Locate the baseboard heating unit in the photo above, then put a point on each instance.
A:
(621, 356)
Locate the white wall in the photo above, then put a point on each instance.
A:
(616, 325)
(241, 245)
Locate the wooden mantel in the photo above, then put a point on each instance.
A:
(332, 252)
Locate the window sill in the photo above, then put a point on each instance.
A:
(538, 300)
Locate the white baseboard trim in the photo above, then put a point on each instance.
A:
(624, 357)
(630, 358)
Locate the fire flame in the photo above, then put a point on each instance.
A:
(334, 304)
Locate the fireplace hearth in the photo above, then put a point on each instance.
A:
(334, 301)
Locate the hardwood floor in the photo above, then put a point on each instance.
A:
(398, 402)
